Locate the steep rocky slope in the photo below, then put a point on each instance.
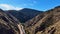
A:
(24, 14)
(45, 23)
(9, 24)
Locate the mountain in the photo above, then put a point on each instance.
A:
(24, 14)
(45, 23)
(9, 24)
(35, 22)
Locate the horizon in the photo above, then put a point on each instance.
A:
(31, 8)
(41, 5)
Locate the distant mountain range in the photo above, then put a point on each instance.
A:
(24, 14)
(30, 21)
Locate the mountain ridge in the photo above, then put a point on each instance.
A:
(39, 25)
(24, 14)
(47, 22)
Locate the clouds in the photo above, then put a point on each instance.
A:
(8, 7)
(29, 3)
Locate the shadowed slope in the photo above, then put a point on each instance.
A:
(24, 14)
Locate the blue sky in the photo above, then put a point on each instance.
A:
(33, 4)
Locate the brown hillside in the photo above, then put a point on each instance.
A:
(45, 23)
(9, 24)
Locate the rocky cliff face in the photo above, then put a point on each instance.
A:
(9, 24)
